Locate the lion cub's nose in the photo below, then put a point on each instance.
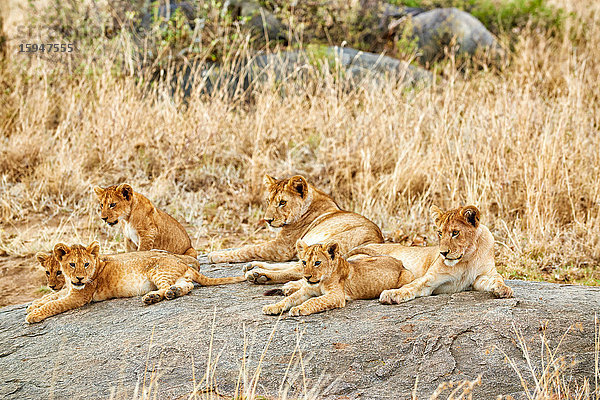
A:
(52, 286)
(269, 221)
(444, 253)
(104, 219)
(79, 278)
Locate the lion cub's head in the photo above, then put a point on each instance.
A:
(78, 262)
(56, 279)
(457, 230)
(115, 202)
(288, 199)
(319, 261)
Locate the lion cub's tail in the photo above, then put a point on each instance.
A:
(206, 281)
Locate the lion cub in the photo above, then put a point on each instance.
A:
(463, 258)
(91, 277)
(145, 227)
(55, 277)
(330, 280)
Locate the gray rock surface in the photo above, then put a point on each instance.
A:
(437, 29)
(366, 350)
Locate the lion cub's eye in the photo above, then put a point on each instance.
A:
(317, 263)
(112, 205)
(282, 203)
(48, 273)
(86, 265)
(455, 233)
(58, 273)
(440, 233)
(303, 262)
(72, 265)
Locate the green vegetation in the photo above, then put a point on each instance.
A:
(502, 16)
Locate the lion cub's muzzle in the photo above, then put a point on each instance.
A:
(312, 282)
(79, 284)
(116, 221)
(451, 262)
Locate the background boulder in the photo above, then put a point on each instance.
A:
(442, 27)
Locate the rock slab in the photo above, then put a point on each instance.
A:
(364, 351)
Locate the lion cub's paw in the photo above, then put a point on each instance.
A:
(273, 309)
(251, 265)
(34, 316)
(394, 296)
(151, 298)
(248, 267)
(291, 287)
(173, 292)
(298, 311)
(31, 307)
(503, 292)
(256, 277)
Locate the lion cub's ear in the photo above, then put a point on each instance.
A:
(94, 249)
(269, 181)
(301, 248)
(126, 191)
(61, 250)
(41, 256)
(298, 184)
(99, 191)
(471, 214)
(331, 249)
(436, 214)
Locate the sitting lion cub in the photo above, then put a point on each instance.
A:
(91, 277)
(463, 258)
(55, 277)
(145, 227)
(334, 280)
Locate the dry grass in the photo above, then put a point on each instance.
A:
(522, 144)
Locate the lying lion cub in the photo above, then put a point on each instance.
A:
(334, 280)
(302, 212)
(91, 277)
(55, 277)
(463, 258)
(145, 227)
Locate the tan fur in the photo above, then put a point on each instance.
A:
(145, 227)
(330, 280)
(464, 257)
(55, 277)
(302, 212)
(91, 277)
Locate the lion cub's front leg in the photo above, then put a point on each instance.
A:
(270, 251)
(423, 286)
(71, 301)
(298, 297)
(45, 299)
(130, 245)
(319, 304)
(274, 273)
(493, 283)
(147, 239)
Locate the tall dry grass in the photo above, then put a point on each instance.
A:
(521, 143)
